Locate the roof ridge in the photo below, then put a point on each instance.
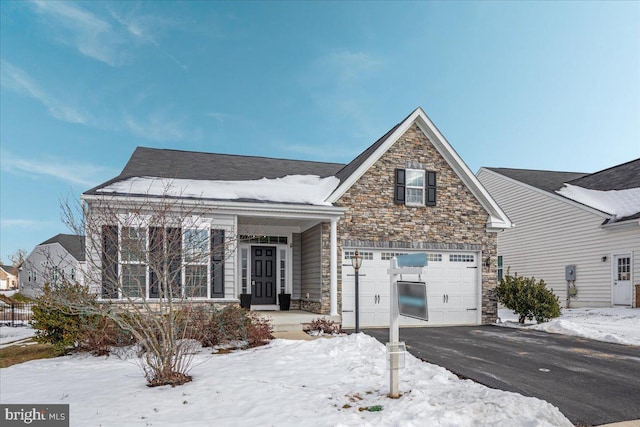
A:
(606, 169)
(236, 155)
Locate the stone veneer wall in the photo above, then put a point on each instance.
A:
(458, 221)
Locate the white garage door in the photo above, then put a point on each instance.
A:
(452, 289)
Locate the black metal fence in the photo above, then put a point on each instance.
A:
(15, 314)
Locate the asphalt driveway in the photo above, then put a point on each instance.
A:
(591, 382)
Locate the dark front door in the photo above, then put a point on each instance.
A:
(263, 274)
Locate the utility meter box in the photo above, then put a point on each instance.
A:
(570, 272)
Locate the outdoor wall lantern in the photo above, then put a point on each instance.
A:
(356, 262)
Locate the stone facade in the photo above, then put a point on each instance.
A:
(457, 221)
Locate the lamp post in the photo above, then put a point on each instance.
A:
(356, 262)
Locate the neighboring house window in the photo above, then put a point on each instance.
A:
(73, 274)
(35, 275)
(134, 268)
(54, 274)
(196, 258)
(29, 272)
(500, 271)
(415, 187)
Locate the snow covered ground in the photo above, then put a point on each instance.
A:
(619, 325)
(325, 382)
(9, 335)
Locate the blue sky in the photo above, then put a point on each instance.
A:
(537, 85)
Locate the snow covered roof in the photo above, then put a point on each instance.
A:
(619, 203)
(155, 172)
(614, 191)
(303, 189)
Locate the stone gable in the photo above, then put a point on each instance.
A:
(457, 221)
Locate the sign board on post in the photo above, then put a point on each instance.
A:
(402, 264)
(412, 300)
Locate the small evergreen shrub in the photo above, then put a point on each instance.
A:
(67, 329)
(21, 298)
(528, 298)
(55, 323)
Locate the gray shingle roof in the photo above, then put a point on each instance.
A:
(346, 172)
(10, 269)
(178, 164)
(620, 177)
(544, 180)
(74, 244)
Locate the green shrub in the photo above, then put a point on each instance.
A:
(20, 298)
(528, 298)
(60, 320)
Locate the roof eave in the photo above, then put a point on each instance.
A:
(227, 206)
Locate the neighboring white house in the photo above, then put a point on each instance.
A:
(60, 257)
(565, 221)
(8, 277)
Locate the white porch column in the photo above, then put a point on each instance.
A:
(334, 267)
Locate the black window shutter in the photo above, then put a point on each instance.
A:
(217, 263)
(156, 251)
(400, 184)
(174, 255)
(431, 188)
(110, 262)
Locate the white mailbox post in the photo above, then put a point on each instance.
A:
(402, 264)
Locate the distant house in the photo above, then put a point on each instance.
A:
(8, 277)
(297, 224)
(62, 256)
(564, 219)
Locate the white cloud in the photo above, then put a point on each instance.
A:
(223, 117)
(159, 127)
(109, 39)
(15, 79)
(92, 36)
(84, 174)
(24, 223)
(347, 65)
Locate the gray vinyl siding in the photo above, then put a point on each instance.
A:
(311, 263)
(296, 261)
(551, 233)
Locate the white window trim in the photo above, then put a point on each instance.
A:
(414, 187)
(140, 225)
(198, 226)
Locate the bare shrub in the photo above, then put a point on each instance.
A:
(322, 326)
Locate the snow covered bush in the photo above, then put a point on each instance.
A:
(528, 298)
